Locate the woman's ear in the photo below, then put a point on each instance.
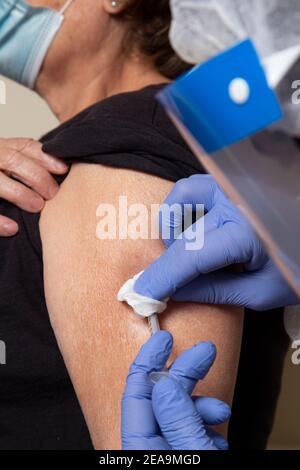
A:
(115, 7)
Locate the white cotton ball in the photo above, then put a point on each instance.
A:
(141, 305)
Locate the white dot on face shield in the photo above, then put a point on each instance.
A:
(239, 91)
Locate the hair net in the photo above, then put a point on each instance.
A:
(203, 28)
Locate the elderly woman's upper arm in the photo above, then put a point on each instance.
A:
(98, 336)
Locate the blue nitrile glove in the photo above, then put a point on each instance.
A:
(164, 416)
(197, 275)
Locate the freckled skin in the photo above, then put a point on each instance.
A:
(98, 336)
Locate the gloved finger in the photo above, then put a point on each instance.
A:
(140, 442)
(212, 410)
(194, 254)
(197, 189)
(33, 149)
(8, 227)
(255, 290)
(180, 221)
(152, 357)
(176, 267)
(220, 288)
(137, 412)
(184, 205)
(178, 419)
(193, 365)
(225, 288)
(217, 439)
(172, 220)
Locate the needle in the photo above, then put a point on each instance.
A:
(153, 324)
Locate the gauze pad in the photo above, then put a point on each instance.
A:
(141, 305)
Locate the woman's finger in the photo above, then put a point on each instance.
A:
(29, 172)
(33, 149)
(20, 195)
(8, 227)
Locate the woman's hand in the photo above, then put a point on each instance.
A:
(23, 160)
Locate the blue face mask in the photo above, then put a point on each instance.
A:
(26, 33)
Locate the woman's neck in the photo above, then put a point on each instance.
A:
(69, 92)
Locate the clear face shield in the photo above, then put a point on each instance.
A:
(243, 133)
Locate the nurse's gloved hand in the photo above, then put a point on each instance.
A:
(26, 178)
(196, 275)
(164, 416)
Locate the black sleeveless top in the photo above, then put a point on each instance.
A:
(38, 405)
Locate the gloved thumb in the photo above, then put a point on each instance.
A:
(139, 427)
(220, 288)
(257, 290)
(152, 357)
(178, 419)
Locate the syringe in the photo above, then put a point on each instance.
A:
(154, 327)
